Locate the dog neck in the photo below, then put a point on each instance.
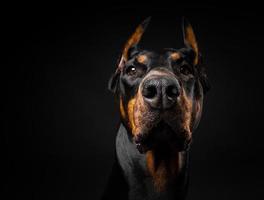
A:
(151, 175)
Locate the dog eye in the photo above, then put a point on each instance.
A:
(184, 69)
(135, 70)
(131, 70)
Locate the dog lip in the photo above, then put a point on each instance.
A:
(162, 135)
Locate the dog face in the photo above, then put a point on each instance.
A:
(160, 94)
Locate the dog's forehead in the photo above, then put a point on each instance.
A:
(158, 58)
(151, 54)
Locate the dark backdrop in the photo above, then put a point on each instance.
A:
(60, 120)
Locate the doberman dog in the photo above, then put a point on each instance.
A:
(160, 97)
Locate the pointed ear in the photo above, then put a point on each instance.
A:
(131, 43)
(133, 40)
(190, 39)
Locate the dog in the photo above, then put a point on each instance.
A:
(160, 98)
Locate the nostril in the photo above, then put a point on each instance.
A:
(172, 91)
(150, 92)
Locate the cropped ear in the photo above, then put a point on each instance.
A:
(132, 42)
(190, 39)
(130, 45)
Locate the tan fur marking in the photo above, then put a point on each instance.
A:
(136, 111)
(139, 112)
(134, 39)
(150, 162)
(175, 56)
(175, 163)
(142, 58)
(157, 171)
(191, 40)
(122, 109)
(186, 105)
(130, 109)
(163, 170)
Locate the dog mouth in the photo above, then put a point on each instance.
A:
(162, 136)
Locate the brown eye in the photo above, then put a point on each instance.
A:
(184, 69)
(136, 71)
(131, 71)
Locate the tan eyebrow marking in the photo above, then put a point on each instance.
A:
(142, 58)
(175, 56)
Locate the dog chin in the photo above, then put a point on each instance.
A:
(162, 137)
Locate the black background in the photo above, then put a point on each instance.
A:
(60, 120)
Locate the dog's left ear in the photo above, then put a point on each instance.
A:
(190, 40)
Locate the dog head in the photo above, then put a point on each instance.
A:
(160, 94)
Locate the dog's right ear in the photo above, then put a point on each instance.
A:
(134, 39)
(130, 45)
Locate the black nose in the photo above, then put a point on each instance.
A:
(161, 92)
